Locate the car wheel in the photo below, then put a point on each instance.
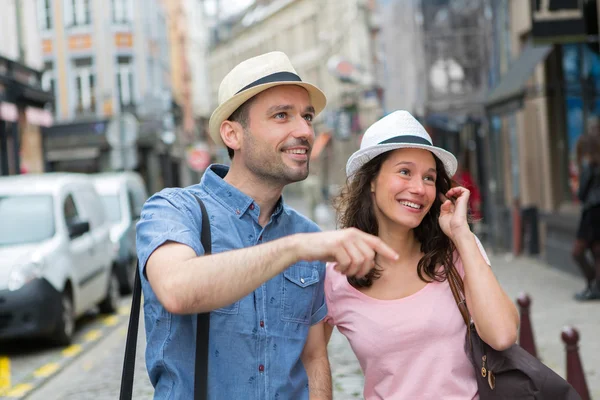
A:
(111, 302)
(63, 335)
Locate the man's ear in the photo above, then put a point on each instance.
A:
(231, 133)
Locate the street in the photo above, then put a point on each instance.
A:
(95, 371)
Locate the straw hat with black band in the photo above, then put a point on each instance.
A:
(253, 76)
(397, 130)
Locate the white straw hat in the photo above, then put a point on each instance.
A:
(253, 76)
(397, 130)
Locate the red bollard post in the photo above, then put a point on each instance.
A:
(575, 373)
(526, 339)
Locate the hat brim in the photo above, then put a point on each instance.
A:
(361, 157)
(224, 111)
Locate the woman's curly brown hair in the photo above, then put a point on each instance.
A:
(354, 208)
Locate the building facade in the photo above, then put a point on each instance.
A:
(189, 41)
(107, 63)
(544, 96)
(331, 47)
(23, 115)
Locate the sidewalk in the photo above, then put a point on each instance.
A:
(552, 308)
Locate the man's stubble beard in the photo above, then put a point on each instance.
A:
(269, 165)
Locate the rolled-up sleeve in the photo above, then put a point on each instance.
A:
(319, 311)
(165, 217)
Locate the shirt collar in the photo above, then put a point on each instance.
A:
(230, 196)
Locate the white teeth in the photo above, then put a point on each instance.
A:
(296, 151)
(411, 205)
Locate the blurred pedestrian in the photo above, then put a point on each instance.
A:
(588, 234)
(263, 284)
(401, 319)
(465, 179)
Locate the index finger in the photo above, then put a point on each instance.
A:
(383, 249)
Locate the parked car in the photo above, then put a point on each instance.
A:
(123, 195)
(56, 257)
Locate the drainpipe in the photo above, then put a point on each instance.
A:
(18, 15)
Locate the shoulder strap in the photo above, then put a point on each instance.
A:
(458, 291)
(202, 331)
(203, 323)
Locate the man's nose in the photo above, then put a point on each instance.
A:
(303, 129)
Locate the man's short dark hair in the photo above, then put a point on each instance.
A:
(242, 117)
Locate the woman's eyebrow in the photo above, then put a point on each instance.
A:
(412, 164)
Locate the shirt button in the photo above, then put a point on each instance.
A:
(261, 368)
(262, 324)
(302, 280)
(252, 206)
(237, 212)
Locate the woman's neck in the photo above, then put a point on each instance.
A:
(402, 240)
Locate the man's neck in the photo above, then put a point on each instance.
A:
(265, 193)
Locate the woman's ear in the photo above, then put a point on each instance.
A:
(373, 186)
(231, 134)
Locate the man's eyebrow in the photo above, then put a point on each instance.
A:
(287, 107)
(413, 164)
(279, 108)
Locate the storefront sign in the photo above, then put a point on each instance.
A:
(38, 116)
(198, 157)
(557, 21)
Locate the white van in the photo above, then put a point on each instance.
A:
(123, 195)
(56, 256)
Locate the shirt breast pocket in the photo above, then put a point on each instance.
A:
(298, 292)
(231, 309)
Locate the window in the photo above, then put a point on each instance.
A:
(48, 78)
(71, 214)
(77, 12)
(125, 81)
(122, 11)
(44, 8)
(84, 86)
(26, 219)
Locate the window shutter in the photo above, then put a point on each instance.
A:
(68, 11)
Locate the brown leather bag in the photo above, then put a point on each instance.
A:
(510, 374)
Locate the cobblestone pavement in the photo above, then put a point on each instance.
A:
(97, 374)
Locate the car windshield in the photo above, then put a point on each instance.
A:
(112, 207)
(26, 219)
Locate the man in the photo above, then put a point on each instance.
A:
(263, 284)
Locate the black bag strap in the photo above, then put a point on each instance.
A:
(202, 331)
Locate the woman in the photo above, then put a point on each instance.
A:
(401, 318)
(588, 234)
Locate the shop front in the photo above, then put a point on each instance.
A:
(23, 116)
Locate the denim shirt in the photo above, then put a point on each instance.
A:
(256, 342)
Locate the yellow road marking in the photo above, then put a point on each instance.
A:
(72, 350)
(124, 310)
(110, 320)
(92, 335)
(4, 373)
(20, 390)
(46, 370)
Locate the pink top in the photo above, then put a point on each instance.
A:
(409, 348)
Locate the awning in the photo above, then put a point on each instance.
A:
(79, 153)
(509, 94)
(319, 144)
